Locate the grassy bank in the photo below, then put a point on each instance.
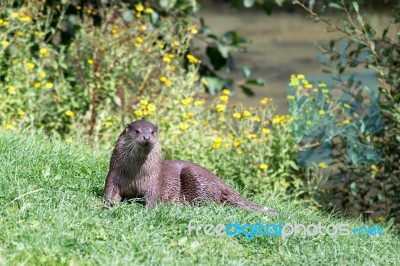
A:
(51, 213)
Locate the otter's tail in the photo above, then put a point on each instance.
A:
(233, 198)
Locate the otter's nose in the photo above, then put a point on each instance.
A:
(146, 137)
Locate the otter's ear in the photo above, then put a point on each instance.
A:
(128, 127)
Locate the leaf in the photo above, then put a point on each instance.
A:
(246, 71)
(214, 84)
(356, 7)
(259, 82)
(248, 3)
(216, 58)
(336, 6)
(127, 16)
(246, 90)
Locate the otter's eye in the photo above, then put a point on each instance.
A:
(137, 131)
(152, 132)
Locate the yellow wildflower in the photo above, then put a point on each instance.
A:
(42, 74)
(239, 152)
(237, 115)
(144, 102)
(8, 127)
(30, 66)
(266, 130)
(108, 123)
(21, 112)
(308, 86)
(11, 90)
(220, 108)
(263, 166)
(36, 85)
(187, 101)
(237, 143)
(346, 105)
(246, 113)
(290, 97)
(224, 98)
(175, 43)
(322, 112)
(183, 126)
(197, 103)
(193, 30)
(322, 85)
(345, 122)
(226, 91)
(322, 165)
(166, 59)
(43, 51)
(90, 61)
(300, 76)
(5, 43)
(151, 107)
(139, 40)
(166, 81)
(148, 10)
(192, 59)
(69, 113)
(139, 7)
(48, 85)
(138, 113)
(309, 122)
(68, 140)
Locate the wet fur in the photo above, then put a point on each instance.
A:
(138, 170)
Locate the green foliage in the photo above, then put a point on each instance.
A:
(370, 188)
(52, 214)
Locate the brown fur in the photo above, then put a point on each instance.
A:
(137, 169)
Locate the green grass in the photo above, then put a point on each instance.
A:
(51, 213)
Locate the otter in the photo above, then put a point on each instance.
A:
(137, 169)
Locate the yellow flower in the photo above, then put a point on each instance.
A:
(239, 152)
(175, 43)
(290, 97)
(217, 140)
(30, 66)
(142, 28)
(221, 119)
(345, 122)
(220, 108)
(43, 51)
(264, 101)
(21, 112)
(308, 86)
(300, 76)
(108, 123)
(216, 145)
(144, 102)
(36, 85)
(8, 127)
(48, 85)
(69, 113)
(90, 61)
(11, 90)
(309, 122)
(322, 165)
(5, 43)
(197, 103)
(224, 98)
(255, 118)
(42, 74)
(166, 81)
(276, 119)
(246, 113)
(139, 40)
(138, 113)
(226, 91)
(266, 130)
(68, 140)
(252, 136)
(148, 10)
(139, 7)
(166, 59)
(193, 30)
(322, 85)
(237, 115)
(192, 59)
(187, 101)
(346, 105)
(183, 126)
(237, 143)
(325, 91)
(188, 115)
(322, 112)
(263, 166)
(151, 107)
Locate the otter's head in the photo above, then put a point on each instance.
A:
(143, 134)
